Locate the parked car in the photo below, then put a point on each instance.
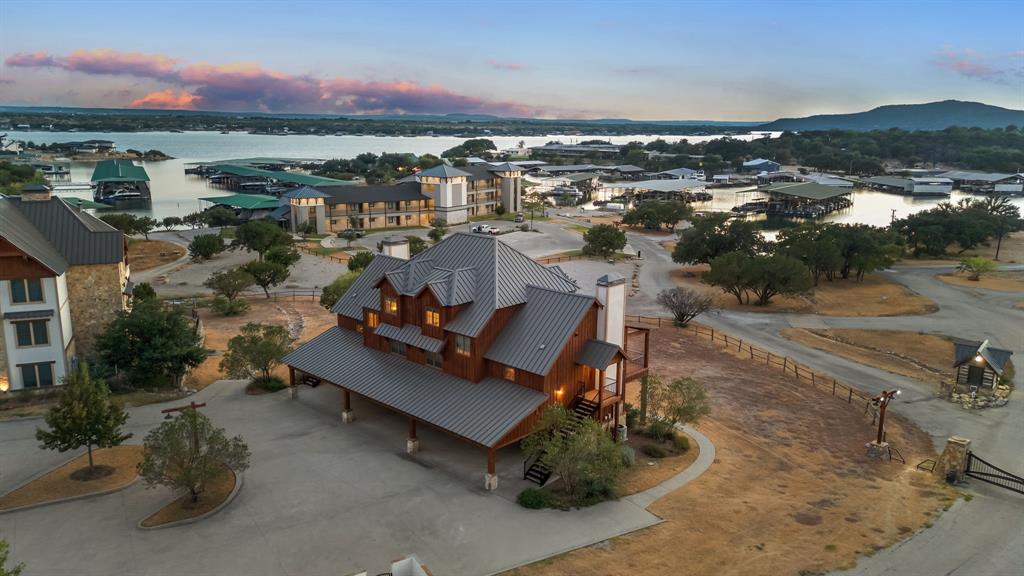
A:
(520, 218)
(484, 229)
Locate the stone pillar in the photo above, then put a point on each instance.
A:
(491, 478)
(954, 457)
(346, 406)
(293, 390)
(412, 443)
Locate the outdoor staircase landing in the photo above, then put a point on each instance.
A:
(582, 409)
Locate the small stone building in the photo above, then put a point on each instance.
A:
(978, 365)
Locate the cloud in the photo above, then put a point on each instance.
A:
(505, 65)
(971, 64)
(166, 100)
(249, 86)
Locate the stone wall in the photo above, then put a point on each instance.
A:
(95, 296)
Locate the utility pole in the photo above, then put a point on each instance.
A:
(880, 447)
(892, 218)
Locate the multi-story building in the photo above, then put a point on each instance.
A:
(63, 277)
(474, 338)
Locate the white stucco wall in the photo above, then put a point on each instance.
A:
(59, 330)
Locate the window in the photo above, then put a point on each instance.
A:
(397, 347)
(432, 317)
(26, 290)
(31, 333)
(390, 305)
(36, 375)
(509, 373)
(462, 345)
(372, 319)
(434, 359)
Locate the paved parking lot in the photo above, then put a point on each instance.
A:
(321, 497)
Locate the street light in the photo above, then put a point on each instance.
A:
(882, 401)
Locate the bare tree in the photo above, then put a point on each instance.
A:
(685, 304)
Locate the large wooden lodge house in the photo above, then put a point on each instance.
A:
(475, 339)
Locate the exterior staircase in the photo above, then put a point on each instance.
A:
(582, 409)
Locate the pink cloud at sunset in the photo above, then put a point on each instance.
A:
(249, 86)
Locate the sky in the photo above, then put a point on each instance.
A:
(554, 59)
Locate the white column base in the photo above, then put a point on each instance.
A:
(293, 392)
(347, 416)
(490, 481)
(412, 445)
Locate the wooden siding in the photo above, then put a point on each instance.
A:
(386, 291)
(988, 378)
(473, 367)
(15, 264)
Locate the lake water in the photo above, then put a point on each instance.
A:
(175, 194)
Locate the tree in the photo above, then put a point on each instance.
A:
(533, 202)
(603, 240)
(649, 382)
(729, 272)
(768, 276)
(1005, 215)
(193, 220)
(15, 570)
(285, 255)
(416, 245)
(360, 260)
(230, 283)
(260, 236)
(256, 351)
(219, 217)
(582, 454)
(499, 209)
(715, 234)
(685, 304)
(171, 221)
(149, 343)
(144, 225)
(335, 290)
(437, 231)
(681, 401)
(349, 235)
(143, 291)
(124, 222)
(85, 415)
(975, 266)
(188, 452)
(266, 274)
(653, 214)
(205, 246)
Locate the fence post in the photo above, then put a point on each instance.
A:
(849, 398)
(768, 359)
(813, 383)
(833, 386)
(751, 352)
(739, 347)
(785, 363)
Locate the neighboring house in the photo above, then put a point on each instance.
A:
(978, 365)
(761, 165)
(63, 277)
(925, 186)
(582, 150)
(677, 174)
(475, 339)
(986, 182)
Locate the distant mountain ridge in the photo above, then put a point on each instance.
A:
(930, 116)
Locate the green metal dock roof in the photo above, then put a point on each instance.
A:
(282, 176)
(119, 171)
(245, 201)
(808, 190)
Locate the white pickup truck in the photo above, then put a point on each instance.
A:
(485, 229)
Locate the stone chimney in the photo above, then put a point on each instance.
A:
(395, 246)
(35, 193)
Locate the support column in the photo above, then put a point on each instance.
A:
(346, 406)
(954, 457)
(293, 390)
(491, 478)
(412, 443)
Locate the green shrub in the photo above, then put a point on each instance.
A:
(524, 227)
(659, 430)
(226, 307)
(654, 451)
(632, 416)
(628, 456)
(533, 498)
(680, 442)
(268, 384)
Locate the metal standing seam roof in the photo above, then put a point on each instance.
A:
(758, 162)
(809, 190)
(444, 171)
(376, 193)
(279, 175)
(966, 351)
(20, 232)
(119, 171)
(482, 412)
(453, 287)
(685, 172)
(409, 334)
(893, 181)
(671, 185)
(306, 192)
(280, 212)
(245, 201)
(966, 175)
(598, 354)
(363, 291)
(581, 176)
(535, 336)
(79, 237)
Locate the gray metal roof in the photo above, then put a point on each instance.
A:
(482, 412)
(537, 333)
(363, 292)
(28, 314)
(598, 354)
(306, 192)
(443, 171)
(968, 176)
(505, 167)
(280, 212)
(965, 351)
(376, 193)
(78, 236)
(409, 334)
(759, 162)
(684, 172)
(20, 232)
(893, 181)
(453, 287)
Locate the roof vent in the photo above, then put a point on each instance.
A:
(541, 346)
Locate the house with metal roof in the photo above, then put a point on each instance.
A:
(979, 366)
(474, 338)
(761, 165)
(63, 277)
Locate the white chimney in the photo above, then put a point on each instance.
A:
(611, 316)
(395, 246)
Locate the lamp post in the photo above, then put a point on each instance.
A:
(882, 401)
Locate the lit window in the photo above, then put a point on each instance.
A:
(434, 359)
(397, 347)
(31, 333)
(509, 373)
(390, 305)
(432, 317)
(359, 328)
(36, 375)
(462, 345)
(372, 319)
(26, 290)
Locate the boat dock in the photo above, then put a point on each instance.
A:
(808, 200)
(118, 182)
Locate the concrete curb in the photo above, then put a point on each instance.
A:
(61, 500)
(205, 515)
(704, 461)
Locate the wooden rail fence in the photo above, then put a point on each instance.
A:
(311, 252)
(788, 366)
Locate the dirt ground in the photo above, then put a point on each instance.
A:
(304, 319)
(874, 296)
(920, 356)
(1012, 251)
(214, 493)
(146, 254)
(648, 472)
(1008, 281)
(59, 484)
(791, 490)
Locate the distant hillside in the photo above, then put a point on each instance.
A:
(931, 116)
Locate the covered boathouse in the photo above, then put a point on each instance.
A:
(475, 339)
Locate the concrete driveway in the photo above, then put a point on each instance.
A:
(321, 497)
